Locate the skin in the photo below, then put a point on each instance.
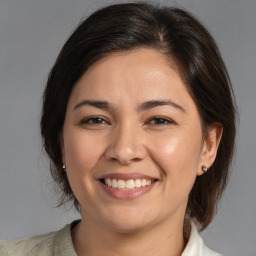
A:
(163, 141)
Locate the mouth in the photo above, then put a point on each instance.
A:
(129, 184)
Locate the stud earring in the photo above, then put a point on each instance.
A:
(204, 168)
(64, 168)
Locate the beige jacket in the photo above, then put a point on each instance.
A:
(60, 244)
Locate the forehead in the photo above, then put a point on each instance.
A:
(132, 77)
(142, 65)
(141, 61)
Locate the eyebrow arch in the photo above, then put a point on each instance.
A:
(94, 103)
(156, 103)
(144, 106)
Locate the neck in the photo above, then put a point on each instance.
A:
(91, 239)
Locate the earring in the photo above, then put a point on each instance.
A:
(64, 168)
(204, 168)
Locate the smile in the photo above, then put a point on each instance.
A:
(127, 184)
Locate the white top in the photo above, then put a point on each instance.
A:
(196, 246)
(59, 243)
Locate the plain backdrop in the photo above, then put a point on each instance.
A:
(32, 33)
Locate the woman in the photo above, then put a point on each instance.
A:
(139, 123)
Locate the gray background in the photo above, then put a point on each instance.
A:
(31, 34)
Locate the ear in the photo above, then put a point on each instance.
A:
(210, 147)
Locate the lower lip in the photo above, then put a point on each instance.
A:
(127, 194)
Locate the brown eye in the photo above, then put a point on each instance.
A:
(160, 121)
(96, 120)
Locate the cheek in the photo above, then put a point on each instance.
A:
(178, 157)
(81, 153)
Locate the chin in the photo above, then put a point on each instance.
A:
(127, 228)
(129, 221)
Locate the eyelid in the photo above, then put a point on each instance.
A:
(166, 119)
(86, 120)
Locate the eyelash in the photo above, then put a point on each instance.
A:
(159, 120)
(94, 120)
(98, 120)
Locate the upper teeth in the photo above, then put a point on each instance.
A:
(128, 184)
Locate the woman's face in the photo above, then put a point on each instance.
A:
(131, 123)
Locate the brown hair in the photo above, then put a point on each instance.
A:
(178, 35)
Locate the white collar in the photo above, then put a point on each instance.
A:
(196, 246)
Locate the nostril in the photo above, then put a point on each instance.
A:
(125, 150)
(136, 159)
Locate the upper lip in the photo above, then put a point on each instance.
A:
(127, 176)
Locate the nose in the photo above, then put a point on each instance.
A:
(126, 145)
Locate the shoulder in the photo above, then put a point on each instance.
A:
(196, 246)
(36, 244)
(50, 244)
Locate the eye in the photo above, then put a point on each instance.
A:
(94, 120)
(160, 121)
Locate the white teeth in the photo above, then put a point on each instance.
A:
(114, 183)
(128, 184)
(108, 182)
(148, 182)
(121, 184)
(137, 183)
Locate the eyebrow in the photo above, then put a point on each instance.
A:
(156, 103)
(94, 103)
(144, 106)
